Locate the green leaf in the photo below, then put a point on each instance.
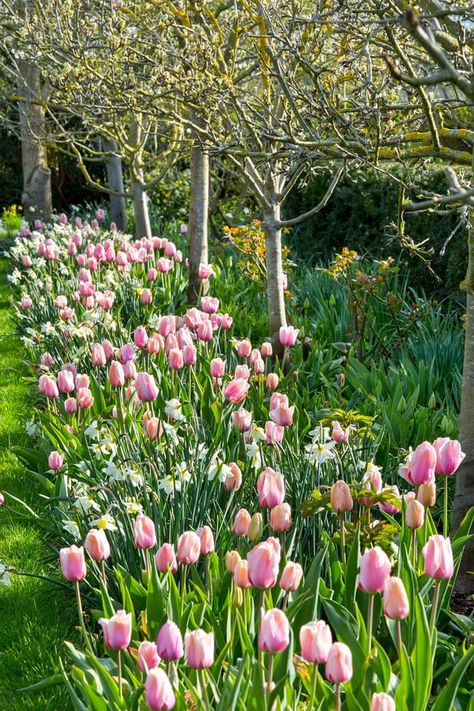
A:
(447, 697)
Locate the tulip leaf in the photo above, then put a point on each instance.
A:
(155, 604)
(447, 696)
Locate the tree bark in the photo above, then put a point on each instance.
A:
(274, 265)
(140, 208)
(464, 494)
(36, 197)
(113, 164)
(198, 218)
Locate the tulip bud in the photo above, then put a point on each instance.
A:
(270, 488)
(73, 564)
(274, 635)
(165, 557)
(382, 702)
(427, 494)
(55, 460)
(272, 381)
(280, 517)
(374, 570)
(241, 522)
(339, 663)
(315, 642)
(233, 479)
(169, 642)
(395, 600)
(237, 597)
(291, 577)
(341, 498)
(147, 656)
(117, 630)
(207, 540)
(415, 514)
(199, 649)
(159, 692)
(438, 556)
(97, 545)
(144, 532)
(263, 564)
(255, 529)
(189, 548)
(241, 574)
(231, 560)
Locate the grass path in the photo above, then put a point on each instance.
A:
(35, 616)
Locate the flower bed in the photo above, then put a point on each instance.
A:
(234, 552)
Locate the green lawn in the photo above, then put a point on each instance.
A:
(35, 615)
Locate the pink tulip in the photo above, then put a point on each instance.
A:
(82, 381)
(270, 488)
(144, 532)
(130, 370)
(117, 630)
(217, 368)
(169, 642)
(155, 344)
(372, 481)
(65, 381)
(415, 514)
(241, 574)
(374, 570)
(243, 348)
(205, 271)
(231, 560)
(274, 635)
(339, 663)
(422, 464)
(146, 387)
(236, 391)
(273, 433)
(140, 337)
(427, 494)
(48, 386)
(146, 297)
(264, 562)
(98, 357)
(189, 548)
(266, 349)
(47, 359)
(395, 599)
(338, 434)
(209, 304)
(242, 371)
(291, 576)
(382, 702)
(388, 506)
(449, 455)
(272, 381)
(108, 349)
(233, 478)
(55, 460)
(165, 558)
(341, 498)
(199, 649)
(97, 545)
(288, 336)
(278, 400)
(204, 331)
(280, 517)
(242, 419)
(315, 642)
(26, 302)
(282, 416)
(116, 374)
(85, 399)
(70, 405)
(241, 522)
(73, 564)
(176, 359)
(189, 355)
(438, 556)
(207, 540)
(159, 692)
(2, 499)
(147, 657)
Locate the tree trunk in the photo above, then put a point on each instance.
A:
(198, 218)
(464, 495)
(36, 197)
(274, 264)
(140, 208)
(113, 164)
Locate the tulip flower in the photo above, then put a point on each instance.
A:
(165, 558)
(395, 599)
(264, 562)
(98, 356)
(415, 514)
(272, 381)
(288, 336)
(273, 433)
(241, 574)
(233, 479)
(242, 419)
(117, 635)
(241, 522)
(338, 434)
(341, 498)
(449, 457)
(374, 570)
(55, 460)
(339, 667)
(266, 349)
(270, 488)
(169, 642)
(66, 381)
(382, 702)
(280, 517)
(97, 545)
(315, 642)
(243, 348)
(159, 692)
(209, 304)
(282, 416)
(438, 555)
(291, 576)
(199, 649)
(189, 548)
(144, 532)
(148, 657)
(73, 564)
(116, 374)
(236, 391)
(421, 464)
(217, 368)
(274, 635)
(242, 372)
(146, 388)
(231, 560)
(427, 494)
(255, 529)
(140, 337)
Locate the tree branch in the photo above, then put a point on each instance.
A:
(317, 208)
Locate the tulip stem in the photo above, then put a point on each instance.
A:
(343, 537)
(104, 575)
(204, 690)
(399, 640)
(338, 696)
(446, 496)
(313, 687)
(370, 620)
(208, 578)
(270, 674)
(434, 605)
(81, 619)
(119, 660)
(183, 586)
(413, 548)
